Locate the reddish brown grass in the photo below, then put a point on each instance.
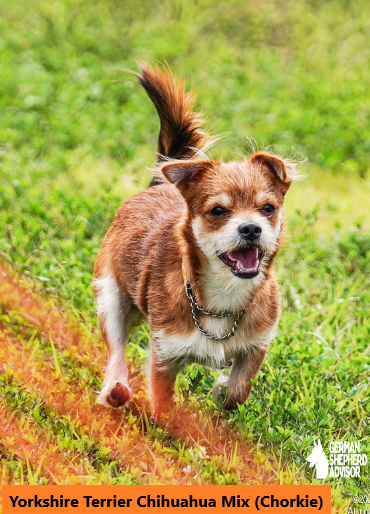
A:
(107, 428)
(20, 437)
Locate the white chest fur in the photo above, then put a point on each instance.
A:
(196, 347)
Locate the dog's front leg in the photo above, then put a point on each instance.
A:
(245, 368)
(162, 384)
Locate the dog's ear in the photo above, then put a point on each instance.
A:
(183, 173)
(282, 168)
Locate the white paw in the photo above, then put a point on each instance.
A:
(222, 381)
(115, 394)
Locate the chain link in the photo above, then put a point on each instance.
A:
(195, 306)
(190, 295)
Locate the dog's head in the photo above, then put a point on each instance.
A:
(235, 208)
(316, 455)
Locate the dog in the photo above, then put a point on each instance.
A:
(193, 254)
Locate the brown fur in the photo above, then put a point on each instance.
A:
(153, 234)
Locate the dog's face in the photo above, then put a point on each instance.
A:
(235, 209)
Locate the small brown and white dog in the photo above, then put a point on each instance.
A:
(192, 254)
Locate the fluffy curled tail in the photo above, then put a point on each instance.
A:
(180, 135)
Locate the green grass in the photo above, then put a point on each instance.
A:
(75, 143)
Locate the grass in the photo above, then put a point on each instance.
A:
(75, 143)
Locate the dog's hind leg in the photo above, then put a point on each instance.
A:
(116, 314)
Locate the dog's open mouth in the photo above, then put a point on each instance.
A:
(245, 262)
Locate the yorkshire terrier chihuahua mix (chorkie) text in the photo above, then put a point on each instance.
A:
(193, 254)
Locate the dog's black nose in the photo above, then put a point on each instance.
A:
(250, 231)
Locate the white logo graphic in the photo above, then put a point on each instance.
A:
(318, 458)
(345, 460)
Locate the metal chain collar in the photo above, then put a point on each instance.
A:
(195, 306)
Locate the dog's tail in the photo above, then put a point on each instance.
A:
(180, 135)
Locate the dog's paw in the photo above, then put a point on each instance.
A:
(222, 381)
(235, 398)
(117, 396)
(230, 403)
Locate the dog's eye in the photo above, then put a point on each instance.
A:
(268, 208)
(218, 211)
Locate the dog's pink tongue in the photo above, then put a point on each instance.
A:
(246, 259)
